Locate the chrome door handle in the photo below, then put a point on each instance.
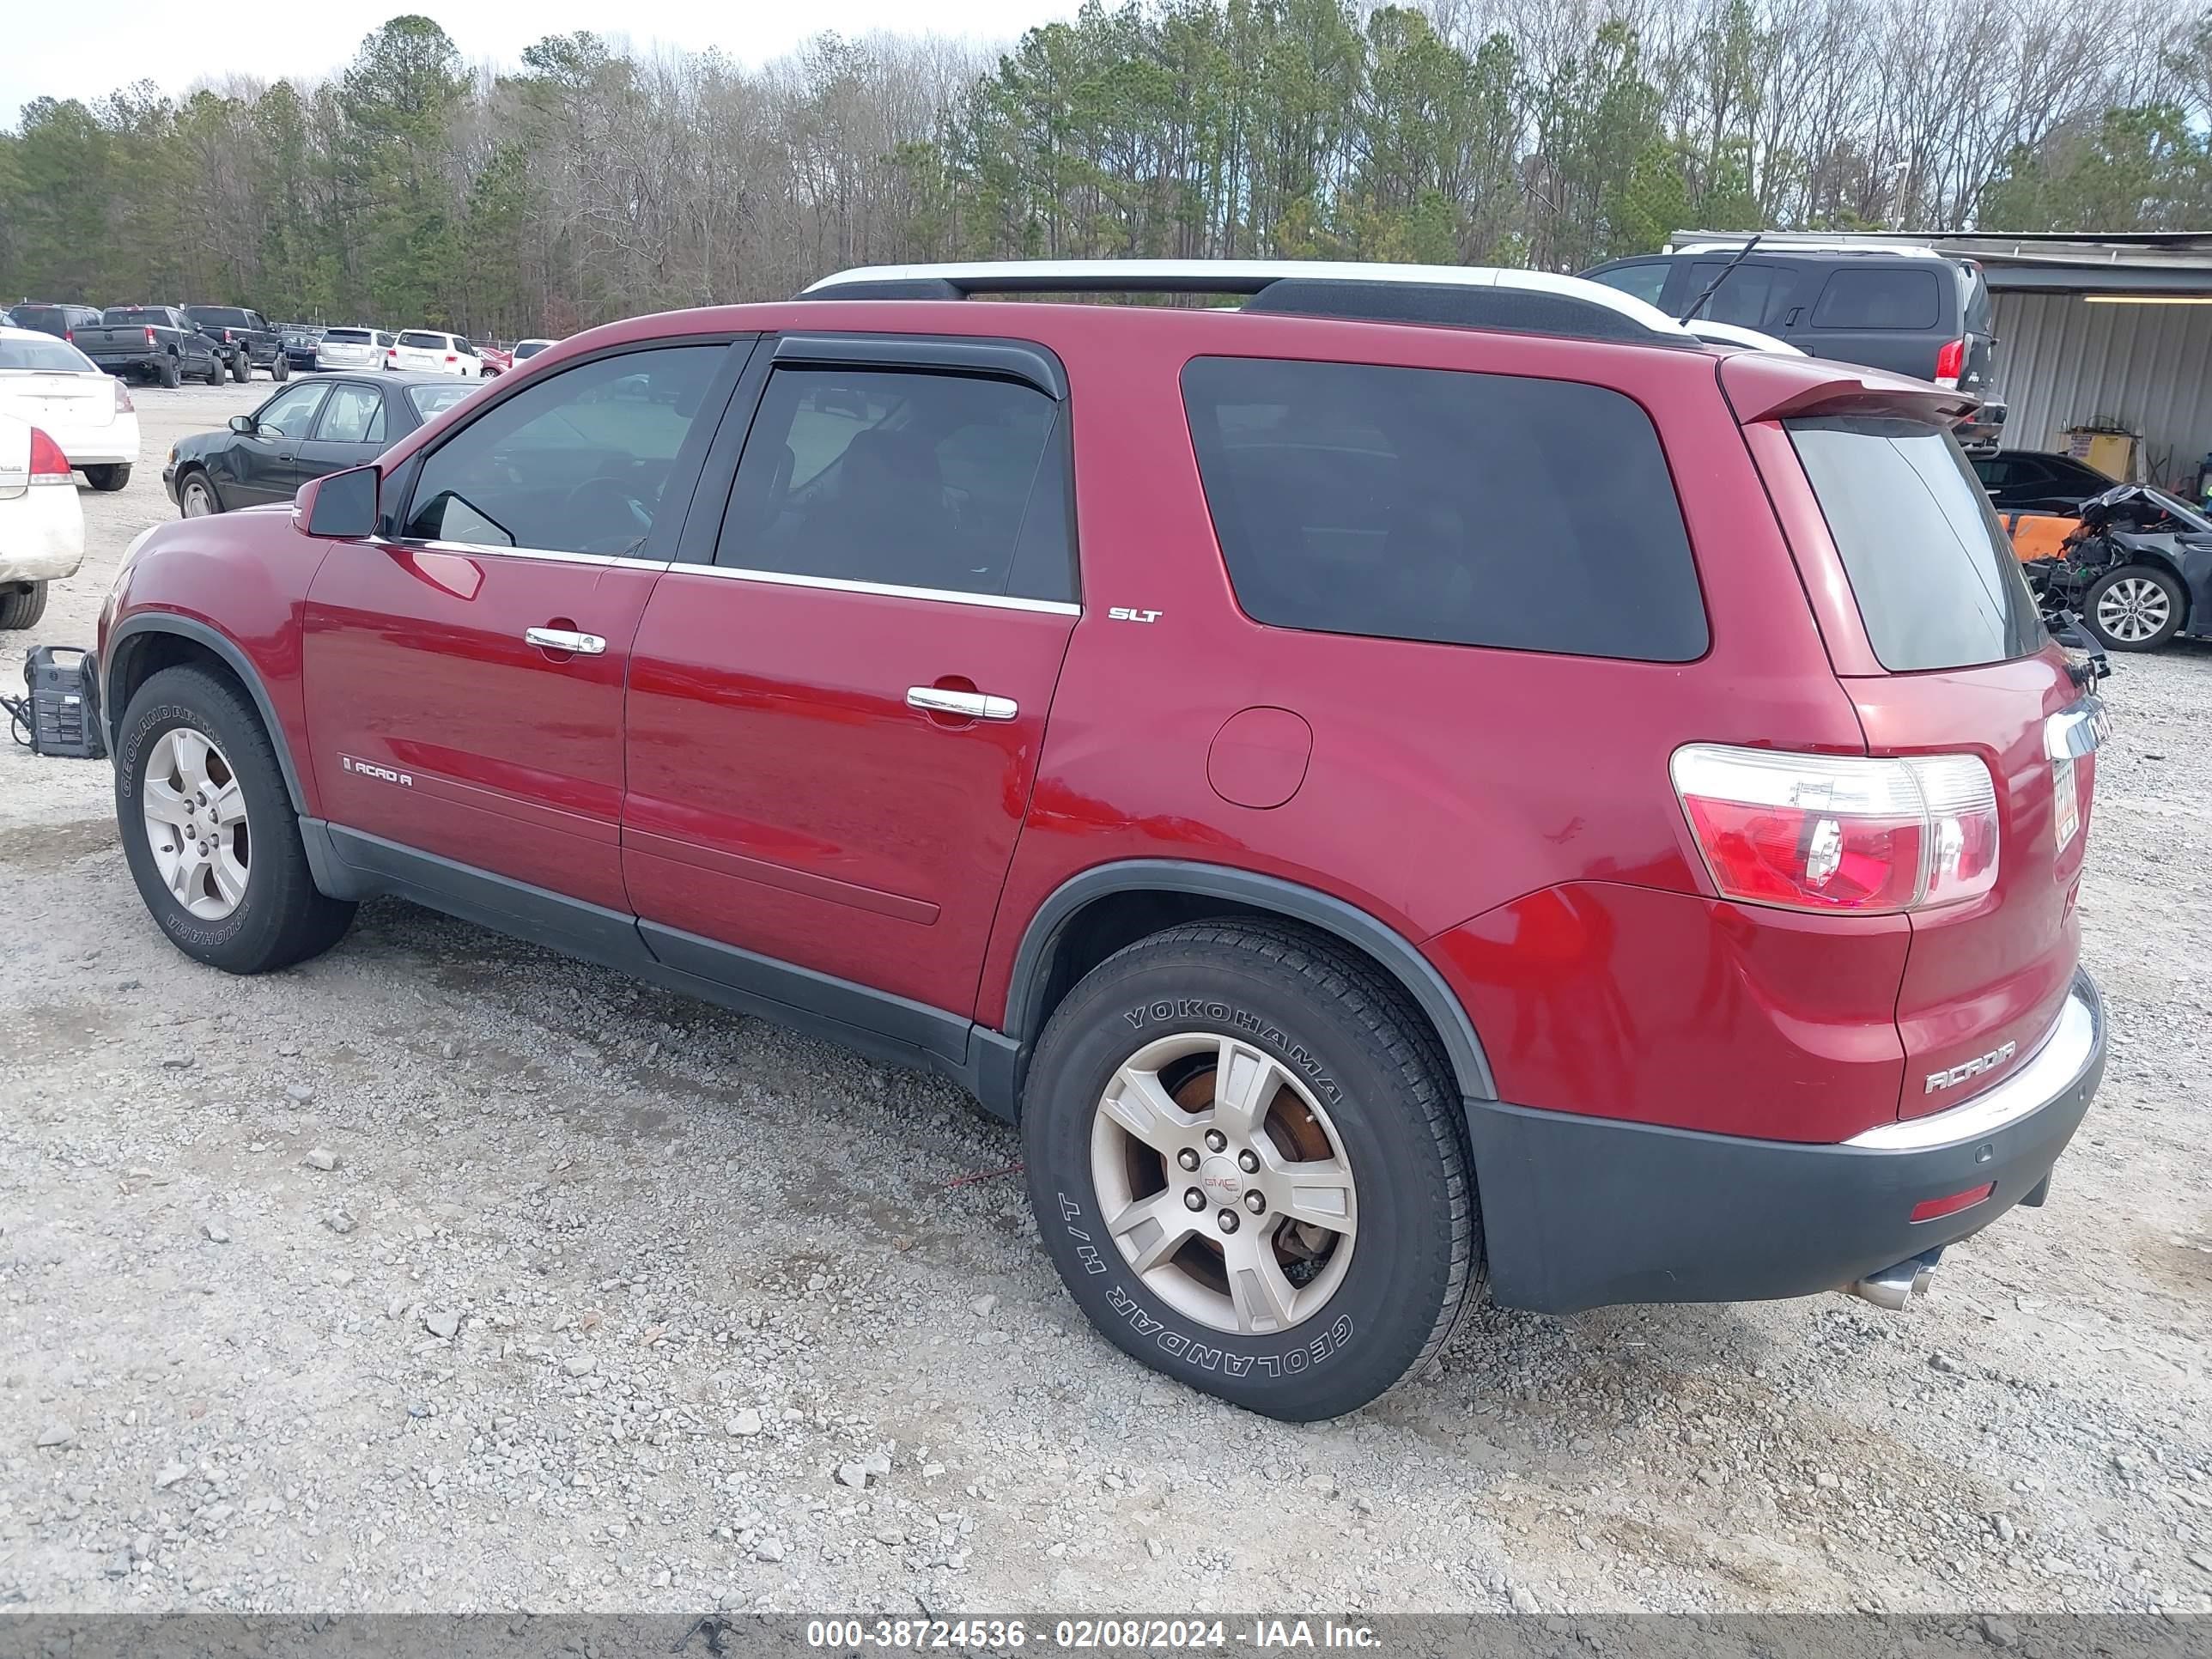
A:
(565, 639)
(968, 705)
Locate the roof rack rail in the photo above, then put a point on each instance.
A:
(1467, 296)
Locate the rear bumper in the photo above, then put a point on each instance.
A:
(1583, 1213)
(41, 534)
(1984, 427)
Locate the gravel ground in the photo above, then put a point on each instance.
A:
(444, 1274)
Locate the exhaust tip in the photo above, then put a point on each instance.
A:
(1895, 1286)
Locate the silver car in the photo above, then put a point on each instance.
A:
(353, 348)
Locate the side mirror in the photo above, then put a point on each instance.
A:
(244, 425)
(340, 507)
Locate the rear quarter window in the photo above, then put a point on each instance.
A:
(1436, 505)
(1880, 297)
(1936, 580)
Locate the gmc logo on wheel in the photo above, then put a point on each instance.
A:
(1974, 1067)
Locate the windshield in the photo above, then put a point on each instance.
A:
(44, 357)
(1935, 577)
(219, 316)
(430, 400)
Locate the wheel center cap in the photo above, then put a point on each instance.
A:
(1221, 1180)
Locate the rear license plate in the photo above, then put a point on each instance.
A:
(2068, 799)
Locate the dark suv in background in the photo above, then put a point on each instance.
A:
(1910, 311)
(58, 320)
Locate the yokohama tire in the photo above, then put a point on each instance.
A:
(283, 918)
(1345, 1039)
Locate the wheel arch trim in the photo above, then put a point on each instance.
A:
(1388, 948)
(233, 657)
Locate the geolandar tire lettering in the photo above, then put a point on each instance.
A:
(1249, 1167)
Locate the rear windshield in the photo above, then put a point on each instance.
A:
(126, 315)
(528, 349)
(430, 400)
(1936, 580)
(45, 356)
(423, 341)
(1432, 504)
(47, 320)
(219, 316)
(346, 336)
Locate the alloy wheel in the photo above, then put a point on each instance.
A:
(2133, 609)
(196, 824)
(1224, 1184)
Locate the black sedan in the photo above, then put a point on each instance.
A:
(305, 431)
(300, 340)
(2031, 481)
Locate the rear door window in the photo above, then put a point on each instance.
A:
(1936, 580)
(953, 483)
(1880, 296)
(1430, 504)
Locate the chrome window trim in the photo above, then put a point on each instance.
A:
(2048, 1072)
(551, 555)
(884, 590)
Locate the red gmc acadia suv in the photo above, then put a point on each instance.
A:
(1426, 778)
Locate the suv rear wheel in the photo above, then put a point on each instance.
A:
(1248, 1163)
(209, 830)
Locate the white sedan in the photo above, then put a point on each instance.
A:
(438, 354)
(56, 388)
(41, 526)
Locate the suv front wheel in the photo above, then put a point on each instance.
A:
(209, 830)
(1248, 1163)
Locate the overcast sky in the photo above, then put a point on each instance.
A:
(84, 52)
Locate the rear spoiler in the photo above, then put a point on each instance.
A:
(1764, 386)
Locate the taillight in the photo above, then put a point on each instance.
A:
(1950, 363)
(1840, 833)
(48, 464)
(150, 340)
(451, 358)
(69, 334)
(123, 404)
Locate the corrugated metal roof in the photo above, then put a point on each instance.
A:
(2062, 361)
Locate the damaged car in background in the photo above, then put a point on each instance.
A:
(2138, 570)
